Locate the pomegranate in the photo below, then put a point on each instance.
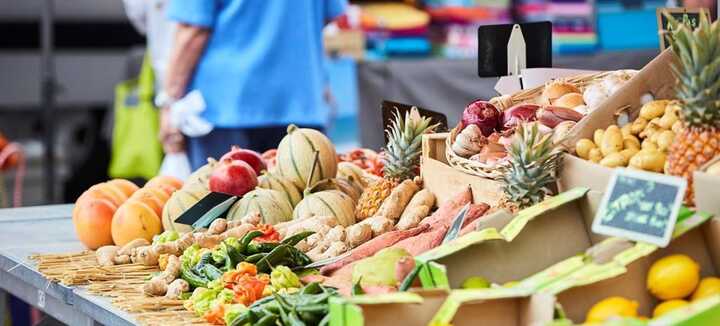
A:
(519, 113)
(253, 158)
(234, 177)
(482, 114)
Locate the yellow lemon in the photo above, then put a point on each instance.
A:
(667, 306)
(708, 286)
(475, 282)
(673, 277)
(612, 307)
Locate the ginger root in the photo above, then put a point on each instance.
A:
(218, 226)
(418, 208)
(358, 234)
(394, 205)
(147, 255)
(238, 231)
(106, 255)
(176, 288)
(205, 240)
(129, 248)
(158, 285)
(379, 225)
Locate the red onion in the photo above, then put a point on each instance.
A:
(519, 113)
(482, 114)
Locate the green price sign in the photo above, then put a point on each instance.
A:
(640, 206)
(687, 16)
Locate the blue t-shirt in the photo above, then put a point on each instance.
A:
(263, 64)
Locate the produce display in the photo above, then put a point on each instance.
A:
(674, 280)
(309, 227)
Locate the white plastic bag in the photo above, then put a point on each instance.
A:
(176, 165)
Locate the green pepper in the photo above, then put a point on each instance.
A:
(255, 258)
(299, 257)
(247, 238)
(325, 321)
(193, 279)
(254, 248)
(295, 319)
(357, 288)
(318, 307)
(273, 258)
(268, 320)
(295, 239)
(212, 272)
(312, 288)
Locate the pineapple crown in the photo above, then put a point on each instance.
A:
(402, 153)
(534, 160)
(697, 71)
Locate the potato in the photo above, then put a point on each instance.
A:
(648, 144)
(613, 160)
(612, 141)
(648, 160)
(668, 119)
(628, 153)
(653, 109)
(595, 155)
(598, 137)
(677, 127)
(583, 147)
(631, 141)
(626, 130)
(665, 139)
(638, 126)
(649, 130)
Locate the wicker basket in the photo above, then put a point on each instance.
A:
(494, 171)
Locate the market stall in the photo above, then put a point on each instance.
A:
(589, 198)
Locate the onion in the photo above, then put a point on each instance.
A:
(519, 113)
(482, 114)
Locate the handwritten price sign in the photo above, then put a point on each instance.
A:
(640, 206)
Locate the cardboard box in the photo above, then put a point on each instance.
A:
(706, 189)
(392, 309)
(493, 307)
(655, 78)
(625, 274)
(533, 240)
(444, 181)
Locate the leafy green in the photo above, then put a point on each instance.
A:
(233, 311)
(283, 278)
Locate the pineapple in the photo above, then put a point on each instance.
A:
(534, 160)
(401, 160)
(698, 89)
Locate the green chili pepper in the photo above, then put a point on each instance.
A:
(268, 320)
(318, 307)
(247, 238)
(212, 272)
(357, 288)
(255, 258)
(312, 288)
(295, 239)
(193, 279)
(325, 321)
(295, 319)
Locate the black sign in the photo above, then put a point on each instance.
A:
(493, 47)
(388, 115)
(213, 206)
(640, 206)
(690, 17)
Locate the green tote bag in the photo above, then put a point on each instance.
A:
(136, 149)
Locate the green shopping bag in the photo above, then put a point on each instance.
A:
(136, 149)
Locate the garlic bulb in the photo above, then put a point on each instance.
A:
(594, 95)
(582, 109)
(469, 142)
(646, 98)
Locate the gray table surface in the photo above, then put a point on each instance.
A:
(48, 229)
(447, 85)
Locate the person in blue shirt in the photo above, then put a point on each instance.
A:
(258, 65)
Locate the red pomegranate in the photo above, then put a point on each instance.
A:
(252, 158)
(233, 177)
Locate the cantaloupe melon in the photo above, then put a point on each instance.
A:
(179, 202)
(272, 206)
(296, 153)
(327, 203)
(281, 184)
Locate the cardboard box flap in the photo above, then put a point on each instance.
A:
(528, 309)
(604, 251)
(510, 231)
(700, 312)
(414, 307)
(655, 78)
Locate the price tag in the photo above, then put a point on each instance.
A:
(640, 206)
(213, 206)
(688, 16)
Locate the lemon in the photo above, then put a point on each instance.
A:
(612, 307)
(708, 286)
(668, 306)
(673, 277)
(475, 282)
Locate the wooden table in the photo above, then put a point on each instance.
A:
(47, 229)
